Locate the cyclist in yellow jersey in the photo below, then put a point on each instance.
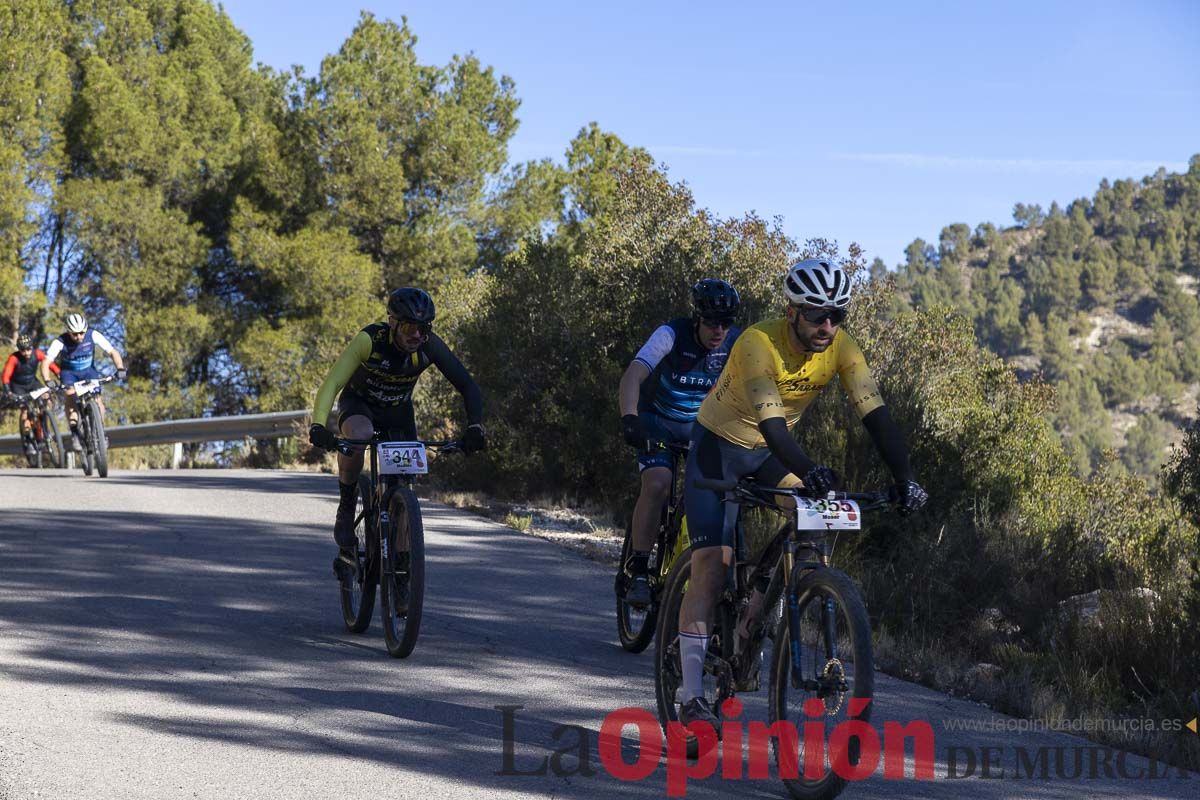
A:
(775, 370)
(378, 370)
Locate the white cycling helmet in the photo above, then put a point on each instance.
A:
(76, 323)
(817, 282)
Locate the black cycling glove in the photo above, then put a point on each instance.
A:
(122, 374)
(820, 480)
(908, 496)
(634, 433)
(474, 440)
(322, 437)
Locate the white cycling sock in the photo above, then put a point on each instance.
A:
(692, 647)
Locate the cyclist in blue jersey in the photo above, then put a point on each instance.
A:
(75, 353)
(683, 360)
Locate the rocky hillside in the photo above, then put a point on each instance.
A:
(1099, 298)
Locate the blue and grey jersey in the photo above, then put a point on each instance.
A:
(681, 370)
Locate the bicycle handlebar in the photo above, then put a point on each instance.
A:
(346, 445)
(868, 499)
(27, 399)
(62, 387)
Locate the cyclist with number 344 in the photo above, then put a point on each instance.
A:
(378, 370)
(744, 428)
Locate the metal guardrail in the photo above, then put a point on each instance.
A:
(203, 429)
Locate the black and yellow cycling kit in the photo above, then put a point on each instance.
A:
(766, 376)
(379, 379)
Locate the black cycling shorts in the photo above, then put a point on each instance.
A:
(396, 422)
(710, 518)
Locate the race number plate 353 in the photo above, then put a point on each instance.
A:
(827, 515)
(402, 458)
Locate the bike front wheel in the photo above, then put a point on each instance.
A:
(834, 665)
(358, 583)
(635, 628)
(402, 582)
(99, 440)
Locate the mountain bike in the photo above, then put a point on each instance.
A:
(822, 638)
(390, 551)
(635, 627)
(92, 439)
(44, 445)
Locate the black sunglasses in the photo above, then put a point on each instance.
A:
(717, 322)
(817, 316)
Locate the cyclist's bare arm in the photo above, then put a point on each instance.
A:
(631, 384)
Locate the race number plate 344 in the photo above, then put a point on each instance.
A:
(402, 458)
(827, 515)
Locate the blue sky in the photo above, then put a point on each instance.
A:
(871, 122)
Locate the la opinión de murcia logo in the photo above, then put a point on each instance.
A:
(853, 749)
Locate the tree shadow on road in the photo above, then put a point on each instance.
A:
(226, 630)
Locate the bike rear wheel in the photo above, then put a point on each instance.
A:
(402, 592)
(99, 440)
(837, 668)
(635, 628)
(52, 443)
(358, 583)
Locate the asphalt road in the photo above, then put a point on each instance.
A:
(177, 635)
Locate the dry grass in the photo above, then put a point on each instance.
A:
(518, 522)
(1048, 688)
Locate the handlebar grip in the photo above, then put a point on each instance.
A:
(716, 484)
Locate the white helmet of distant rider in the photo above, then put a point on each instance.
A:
(76, 323)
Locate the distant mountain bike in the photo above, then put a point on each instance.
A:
(822, 639)
(93, 441)
(635, 627)
(391, 541)
(47, 450)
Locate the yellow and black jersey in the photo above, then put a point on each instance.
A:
(383, 375)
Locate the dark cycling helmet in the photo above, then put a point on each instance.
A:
(714, 298)
(24, 342)
(411, 304)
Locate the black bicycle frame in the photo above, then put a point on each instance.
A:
(748, 495)
(670, 522)
(383, 487)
